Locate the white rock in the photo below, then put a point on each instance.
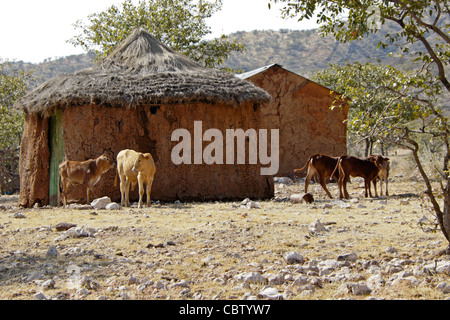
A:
(76, 232)
(100, 203)
(443, 267)
(253, 205)
(113, 206)
(52, 252)
(251, 277)
(352, 257)
(293, 257)
(275, 279)
(49, 284)
(270, 293)
(444, 287)
(360, 288)
(40, 296)
(329, 263)
(391, 249)
(376, 281)
(317, 226)
(439, 267)
(19, 215)
(295, 198)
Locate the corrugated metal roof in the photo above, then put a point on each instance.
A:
(256, 71)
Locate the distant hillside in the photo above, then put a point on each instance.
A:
(50, 68)
(303, 52)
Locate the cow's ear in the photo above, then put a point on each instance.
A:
(147, 155)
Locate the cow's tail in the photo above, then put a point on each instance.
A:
(115, 179)
(304, 167)
(337, 166)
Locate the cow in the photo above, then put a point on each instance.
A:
(367, 168)
(383, 174)
(86, 173)
(322, 165)
(134, 167)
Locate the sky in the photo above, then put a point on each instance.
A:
(34, 30)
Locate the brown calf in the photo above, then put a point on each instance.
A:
(324, 167)
(383, 174)
(367, 168)
(86, 173)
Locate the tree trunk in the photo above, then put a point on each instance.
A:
(444, 218)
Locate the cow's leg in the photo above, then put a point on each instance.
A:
(149, 189)
(63, 192)
(141, 189)
(324, 186)
(341, 186)
(386, 183)
(127, 192)
(367, 186)
(374, 181)
(344, 187)
(67, 187)
(87, 194)
(124, 184)
(341, 182)
(309, 175)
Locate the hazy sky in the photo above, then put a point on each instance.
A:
(34, 30)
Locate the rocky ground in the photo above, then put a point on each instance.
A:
(380, 248)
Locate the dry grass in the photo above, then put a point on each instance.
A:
(213, 242)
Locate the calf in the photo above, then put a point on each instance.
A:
(86, 173)
(322, 165)
(383, 174)
(367, 168)
(134, 167)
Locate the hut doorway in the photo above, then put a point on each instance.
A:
(56, 147)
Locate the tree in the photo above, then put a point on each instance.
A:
(391, 106)
(13, 85)
(180, 24)
(376, 105)
(419, 21)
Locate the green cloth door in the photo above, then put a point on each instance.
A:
(56, 146)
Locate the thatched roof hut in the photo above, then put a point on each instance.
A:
(135, 99)
(141, 71)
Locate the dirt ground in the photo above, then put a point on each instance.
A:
(225, 250)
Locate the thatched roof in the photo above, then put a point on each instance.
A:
(141, 71)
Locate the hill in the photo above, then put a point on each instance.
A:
(303, 52)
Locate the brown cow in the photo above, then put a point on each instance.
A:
(322, 165)
(86, 173)
(383, 174)
(367, 168)
(134, 167)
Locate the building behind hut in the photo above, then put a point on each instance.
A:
(301, 110)
(135, 99)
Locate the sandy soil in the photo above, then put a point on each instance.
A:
(210, 250)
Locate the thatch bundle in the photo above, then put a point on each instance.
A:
(141, 71)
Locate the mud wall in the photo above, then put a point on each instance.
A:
(34, 162)
(301, 110)
(92, 130)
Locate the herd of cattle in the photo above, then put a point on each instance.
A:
(371, 169)
(139, 168)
